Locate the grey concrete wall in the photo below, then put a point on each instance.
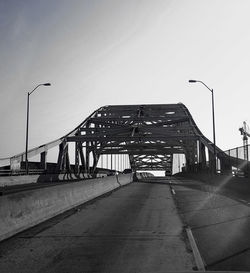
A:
(17, 180)
(28, 179)
(23, 210)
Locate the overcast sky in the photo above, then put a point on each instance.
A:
(104, 52)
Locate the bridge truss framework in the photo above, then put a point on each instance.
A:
(148, 134)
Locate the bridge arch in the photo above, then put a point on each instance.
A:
(148, 133)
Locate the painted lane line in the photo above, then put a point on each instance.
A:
(197, 256)
(173, 191)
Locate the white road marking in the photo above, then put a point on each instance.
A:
(173, 191)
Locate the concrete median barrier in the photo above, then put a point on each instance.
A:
(123, 178)
(20, 211)
(29, 179)
(18, 180)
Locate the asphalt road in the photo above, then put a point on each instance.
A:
(134, 229)
(219, 217)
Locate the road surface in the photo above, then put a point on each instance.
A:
(134, 229)
(141, 228)
(219, 217)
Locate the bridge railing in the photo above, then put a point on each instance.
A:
(239, 158)
(241, 152)
(234, 161)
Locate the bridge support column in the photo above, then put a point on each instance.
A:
(87, 166)
(202, 155)
(63, 162)
(188, 164)
(77, 167)
(131, 162)
(169, 164)
(80, 165)
(43, 160)
(190, 161)
(211, 162)
(191, 158)
(95, 159)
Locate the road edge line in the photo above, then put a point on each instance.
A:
(197, 256)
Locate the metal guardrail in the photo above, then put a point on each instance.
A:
(241, 152)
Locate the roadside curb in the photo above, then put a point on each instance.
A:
(197, 256)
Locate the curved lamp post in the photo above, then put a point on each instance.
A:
(212, 91)
(27, 125)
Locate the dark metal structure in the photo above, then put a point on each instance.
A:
(148, 134)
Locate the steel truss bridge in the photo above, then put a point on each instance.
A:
(148, 134)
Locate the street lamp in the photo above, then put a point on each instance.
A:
(27, 125)
(212, 91)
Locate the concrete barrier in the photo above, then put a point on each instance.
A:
(28, 179)
(23, 210)
(18, 180)
(123, 178)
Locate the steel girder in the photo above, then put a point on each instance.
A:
(149, 134)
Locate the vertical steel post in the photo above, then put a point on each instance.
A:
(179, 163)
(77, 158)
(214, 144)
(215, 165)
(237, 156)
(27, 136)
(43, 160)
(247, 163)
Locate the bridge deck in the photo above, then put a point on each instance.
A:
(134, 229)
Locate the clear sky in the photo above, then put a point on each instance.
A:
(105, 52)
